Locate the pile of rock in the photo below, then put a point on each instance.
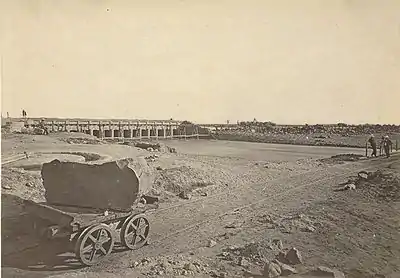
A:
(82, 140)
(171, 267)
(378, 184)
(284, 265)
(342, 158)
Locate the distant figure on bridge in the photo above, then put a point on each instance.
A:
(372, 141)
(387, 144)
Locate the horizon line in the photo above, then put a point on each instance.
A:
(175, 120)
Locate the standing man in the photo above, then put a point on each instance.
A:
(387, 143)
(372, 141)
(381, 145)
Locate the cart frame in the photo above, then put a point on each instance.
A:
(90, 229)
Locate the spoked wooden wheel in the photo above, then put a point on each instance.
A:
(135, 232)
(94, 244)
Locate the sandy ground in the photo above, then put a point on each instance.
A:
(244, 199)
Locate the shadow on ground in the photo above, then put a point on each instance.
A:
(23, 250)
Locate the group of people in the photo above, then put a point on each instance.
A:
(385, 144)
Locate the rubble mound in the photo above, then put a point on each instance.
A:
(342, 158)
(151, 146)
(146, 145)
(381, 185)
(14, 179)
(112, 185)
(17, 183)
(80, 140)
(254, 252)
(184, 178)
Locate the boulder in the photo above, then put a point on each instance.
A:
(272, 270)
(328, 272)
(294, 257)
(112, 185)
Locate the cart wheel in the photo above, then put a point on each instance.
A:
(94, 244)
(79, 238)
(135, 231)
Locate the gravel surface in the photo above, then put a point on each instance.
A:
(243, 206)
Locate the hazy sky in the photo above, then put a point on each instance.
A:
(287, 61)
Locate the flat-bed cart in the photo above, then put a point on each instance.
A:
(89, 230)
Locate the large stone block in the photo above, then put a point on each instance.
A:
(113, 185)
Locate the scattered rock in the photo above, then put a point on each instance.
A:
(185, 195)
(310, 229)
(328, 272)
(351, 186)
(189, 267)
(159, 168)
(281, 256)
(272, 270)
(6, 187)
(225, 254)
(277, 244)
(301, 216)
(286, 270)
(363, 175)
(145, 261)
(212, 273)
(233, 225)
(135, 264)
(293, 256)
(254, 271)
(244, 262)
(233, 247)
(211, 243)
(204, 194)
(29, 184)
(184, 272)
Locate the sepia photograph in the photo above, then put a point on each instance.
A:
(200, 138)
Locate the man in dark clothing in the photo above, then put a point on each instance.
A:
(387, 143)
(372, 141)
